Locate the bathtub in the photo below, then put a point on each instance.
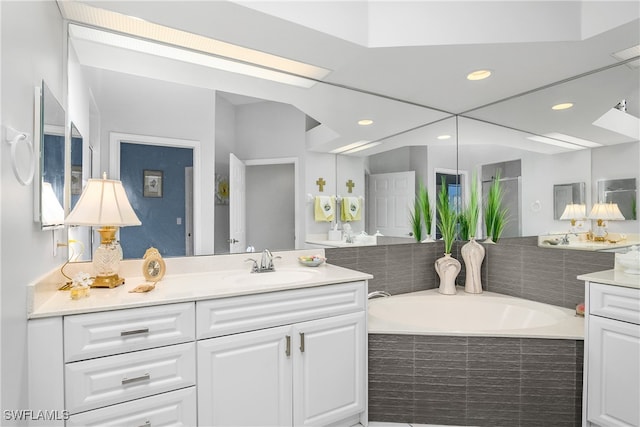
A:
(481, 360)
(486, 314)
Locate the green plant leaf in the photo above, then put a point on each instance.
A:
(415, 219)
(447, 218)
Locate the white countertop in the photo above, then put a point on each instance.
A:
(224, 278)
(615, 277)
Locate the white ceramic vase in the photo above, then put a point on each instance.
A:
(448, 269)
(473, 254)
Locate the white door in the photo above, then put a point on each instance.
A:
(237, 205)
(613, 388)
(329, 370)
(245, 379)
(391, 198)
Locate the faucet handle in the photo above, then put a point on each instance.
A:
(271, 262)
(254, 267)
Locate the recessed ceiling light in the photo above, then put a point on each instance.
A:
(365, 122)
(562, 106)
(444, 136)
(478, 75)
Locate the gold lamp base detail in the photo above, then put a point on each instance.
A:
(107, 281)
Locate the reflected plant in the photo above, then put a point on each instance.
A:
(415, 220)
(447, 218)
(425, 207)
(469, 216)
(495, 216)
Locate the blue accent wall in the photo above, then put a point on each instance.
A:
(158, 214)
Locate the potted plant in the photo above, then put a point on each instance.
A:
(472, 252)
(495, 216)
(446, 267)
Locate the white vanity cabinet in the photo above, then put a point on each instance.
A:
(612, 356)
(297, 372)
(291, 357)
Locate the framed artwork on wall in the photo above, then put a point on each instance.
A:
(152, 183)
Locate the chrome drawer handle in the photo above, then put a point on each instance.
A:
(144, 377)
(134, 332)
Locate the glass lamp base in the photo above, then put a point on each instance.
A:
(106, 261)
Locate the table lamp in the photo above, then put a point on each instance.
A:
(103, 203)
(604, 212)
(574, 212)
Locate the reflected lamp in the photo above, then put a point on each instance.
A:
(574, 212)
(602, 212)
(104, 203)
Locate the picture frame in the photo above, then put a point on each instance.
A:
(76, 180)
(153, 182)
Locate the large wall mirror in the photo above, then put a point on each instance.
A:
(52, 160)
(260, 122)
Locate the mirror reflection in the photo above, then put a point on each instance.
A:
(52, 160)
(261, 123)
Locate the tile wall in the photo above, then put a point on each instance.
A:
(517, 267)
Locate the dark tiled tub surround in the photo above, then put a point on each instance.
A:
(522, 270)
(477, 380)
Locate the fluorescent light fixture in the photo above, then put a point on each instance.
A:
(248, 61)
(632, 52)
(620, 122)
(348, 147)
(555, 142)
(365, 122)
(442, 137)
(478, 75)
(562, 106)
(573, 139)
(362, 147)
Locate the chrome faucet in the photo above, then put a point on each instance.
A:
(266, 262)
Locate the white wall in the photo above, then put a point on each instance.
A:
(142, 106)
(225, 143)
(33, 48)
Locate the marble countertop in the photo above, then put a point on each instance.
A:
(193, 279)
(615, 277)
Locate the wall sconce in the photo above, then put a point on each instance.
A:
(104, 204)
(602, 212)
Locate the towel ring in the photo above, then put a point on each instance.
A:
(14, 138)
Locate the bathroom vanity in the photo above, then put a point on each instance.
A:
(612, 349)
(209, 346)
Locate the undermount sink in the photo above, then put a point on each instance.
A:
(279, 277)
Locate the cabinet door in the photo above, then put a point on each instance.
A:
(245, 379)
(614, 371)
(329, 369)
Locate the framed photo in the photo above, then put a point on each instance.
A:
(76, 180)
(152, 181)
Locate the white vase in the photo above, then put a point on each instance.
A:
(473, 254)
(447, 269)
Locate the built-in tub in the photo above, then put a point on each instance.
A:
(486, 314)
(474, 360)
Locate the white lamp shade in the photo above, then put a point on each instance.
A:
(574, 211)
(606, 211)
(103, 202)
(52, 211)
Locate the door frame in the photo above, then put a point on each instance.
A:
(115, 140)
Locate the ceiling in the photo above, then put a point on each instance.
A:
(404, 63)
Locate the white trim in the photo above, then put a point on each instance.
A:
(115, 138)
(296, 186)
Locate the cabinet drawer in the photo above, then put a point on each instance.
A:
(615, 302)
(176, 408)
(102, 334)
(241, 314)
(91, 384)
